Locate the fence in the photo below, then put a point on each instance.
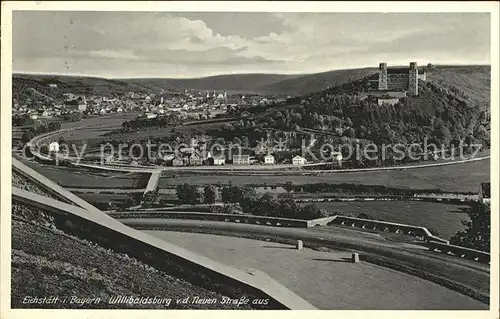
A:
(235, 218)
(419, 232)
(459, 251)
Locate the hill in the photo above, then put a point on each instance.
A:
(27, 86)
(251, 83)
(279, 84)
(310, 83)
(473, 81)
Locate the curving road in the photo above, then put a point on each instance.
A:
(275, 169)
(456, 271)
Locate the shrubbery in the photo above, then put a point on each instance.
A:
(477, 234)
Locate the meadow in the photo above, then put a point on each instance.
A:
(445, 218)
(464, 177)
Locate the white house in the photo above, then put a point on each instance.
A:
(298, 160)
(150, 115)
(54, 147)
(168, 157)
(219, 160)
(269, 159)
(241, 159)
(336, 156)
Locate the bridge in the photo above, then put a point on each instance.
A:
(153, 182)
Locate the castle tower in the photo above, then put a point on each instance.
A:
(413, 79)
(382, 77)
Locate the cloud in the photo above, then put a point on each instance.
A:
(162, 44)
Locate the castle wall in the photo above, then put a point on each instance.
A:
(400, 79)
(397, 82)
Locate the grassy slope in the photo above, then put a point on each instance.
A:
(76, 178)
(475, 81)
(445, 218)
(50, 263)
(317, 82)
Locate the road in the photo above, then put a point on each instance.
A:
(466, 273)
(325, 279)
(250, 168)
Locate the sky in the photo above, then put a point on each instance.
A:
(196, 44)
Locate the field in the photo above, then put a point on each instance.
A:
(51, 263)
(95, 127)
(76, 178)
(325, 279)
(446, 219)
(464, 177)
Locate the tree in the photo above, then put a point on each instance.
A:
(308, 212)
(27, 136)
(230, 194)
(267, 205)
(44, 149)
(61, 140)
(477, 233)
(188, 194)
(247, 198)
(287, 208)
(209, 194)
(149, 199)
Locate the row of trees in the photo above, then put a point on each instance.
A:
(40, 129)
(161, 121)
(249, 202)
(72, 117)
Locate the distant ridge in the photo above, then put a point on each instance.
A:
(473, 79)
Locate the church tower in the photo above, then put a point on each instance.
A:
(413, 79)
(382, 77)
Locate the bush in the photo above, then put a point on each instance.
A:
(477, 233)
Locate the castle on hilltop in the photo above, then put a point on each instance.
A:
(400, 79)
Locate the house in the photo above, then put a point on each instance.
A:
(177, 162)
(54, 147)
(336, 156)
(388, 101)
(168, 157)
(44, 113)
(269, 159)
(150, 115)
(78, 104)
(485, 193)
(195, 159)
(218, 160)
(241, 159)
(298, 160)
